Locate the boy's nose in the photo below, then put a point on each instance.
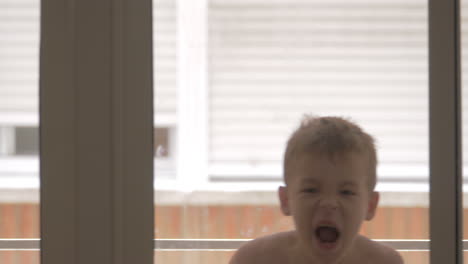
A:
(329, 203)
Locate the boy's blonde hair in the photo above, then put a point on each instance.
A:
(331, 136)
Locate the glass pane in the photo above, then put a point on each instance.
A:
(269, 63)
(273, 62)
(19, 141)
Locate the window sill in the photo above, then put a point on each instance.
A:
(215, 244)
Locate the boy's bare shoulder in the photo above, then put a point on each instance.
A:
(376, 252)
(267, 249)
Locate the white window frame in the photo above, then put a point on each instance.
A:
(7, 140)
(192, 93)
(193, 120)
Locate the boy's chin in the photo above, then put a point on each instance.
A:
(329, 252)
(328, 247)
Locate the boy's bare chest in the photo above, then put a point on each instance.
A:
(278, 257)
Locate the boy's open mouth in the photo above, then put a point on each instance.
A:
(327, 236)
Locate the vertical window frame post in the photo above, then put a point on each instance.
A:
(446, 209)
(192, 93)
(96, 133)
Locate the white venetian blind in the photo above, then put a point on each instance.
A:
(19, 60)
(165, 83)
(164, 39)
(273, 61)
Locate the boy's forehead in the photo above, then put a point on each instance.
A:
(348, 158)
(313, 166)
(317, 180)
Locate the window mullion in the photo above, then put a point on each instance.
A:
(445, 132)
(96, 132)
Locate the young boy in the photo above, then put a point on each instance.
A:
(330, 176)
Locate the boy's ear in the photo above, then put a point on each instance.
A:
(284, 201)
(372, 206)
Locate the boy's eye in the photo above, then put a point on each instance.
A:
(311, 190)
(347, 192)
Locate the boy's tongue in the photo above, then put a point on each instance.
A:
(327, 234)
